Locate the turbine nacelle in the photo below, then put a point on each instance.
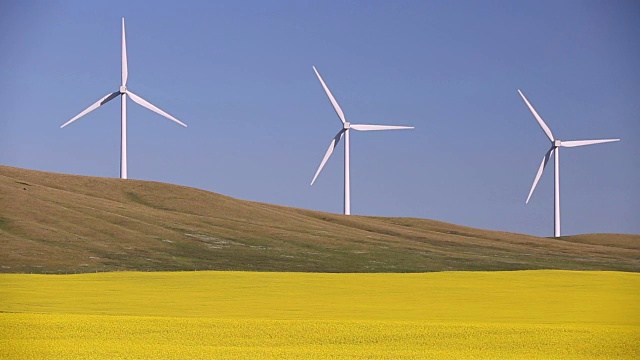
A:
(123, 89)
(346, 125)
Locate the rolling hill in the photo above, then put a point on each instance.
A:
(56, 223)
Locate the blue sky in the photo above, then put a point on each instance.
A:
(239, 74)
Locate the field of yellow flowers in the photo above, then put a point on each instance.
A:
(448, 315)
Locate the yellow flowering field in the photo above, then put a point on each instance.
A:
(227, 315)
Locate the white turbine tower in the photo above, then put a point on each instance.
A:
(555, 150)
(123, 91)
(346, 127)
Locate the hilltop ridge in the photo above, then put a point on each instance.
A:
(57, 223)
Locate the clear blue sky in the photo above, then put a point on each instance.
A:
(239, 74)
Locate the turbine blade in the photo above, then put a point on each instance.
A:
(336, 107)
(332, 146)
(95, 105)
(125, 69)
(544, 126)
(545, 160)
(575, 143)
(365, 127)
(152, 107)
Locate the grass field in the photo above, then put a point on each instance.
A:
(447, 315)
(56, 223)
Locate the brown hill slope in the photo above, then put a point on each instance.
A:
(54, 223)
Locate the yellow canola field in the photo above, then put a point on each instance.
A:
(450, 315)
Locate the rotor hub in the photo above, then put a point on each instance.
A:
(123, 89)
(557, 143)
(346, 125)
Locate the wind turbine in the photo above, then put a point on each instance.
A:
(123, 92)
(346, 127)
(555, 150)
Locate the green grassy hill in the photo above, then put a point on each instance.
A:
(55, 223)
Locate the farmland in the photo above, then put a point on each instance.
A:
(523, 314)
(292, 283)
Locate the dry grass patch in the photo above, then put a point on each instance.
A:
(67, 224)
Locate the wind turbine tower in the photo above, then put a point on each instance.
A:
(123, 92)
(346, 128)
(555, 151)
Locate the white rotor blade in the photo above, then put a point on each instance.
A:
(95, 105)
(544, 126)
(364, 127)
(336, 107)
(545, 160)
(152, 107)
(125, 69)
(575, 143)
(332, 146)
